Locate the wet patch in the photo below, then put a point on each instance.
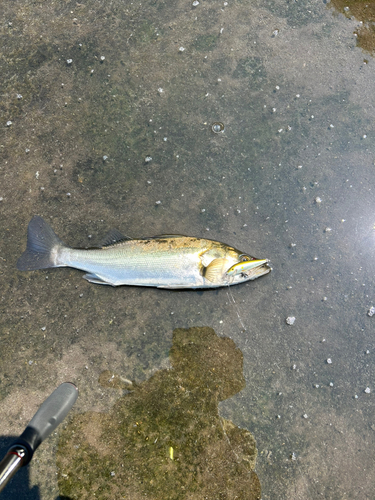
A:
(364, 12)
(164, 438)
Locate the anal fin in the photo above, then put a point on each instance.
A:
(94, 278)
(177, 287)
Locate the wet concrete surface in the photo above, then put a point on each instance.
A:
(88, 92)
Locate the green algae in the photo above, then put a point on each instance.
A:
(164, 439)
(365, 13)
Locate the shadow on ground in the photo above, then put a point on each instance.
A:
(19, 485)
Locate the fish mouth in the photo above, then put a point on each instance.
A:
(259, 268)
(258, 271)
(249, 267)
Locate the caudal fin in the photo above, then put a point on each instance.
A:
(41, 241)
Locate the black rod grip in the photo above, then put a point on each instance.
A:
(50, 414)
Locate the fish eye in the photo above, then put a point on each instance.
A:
(244, 258)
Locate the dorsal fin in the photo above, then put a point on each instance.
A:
(112, 237)
(167, 236)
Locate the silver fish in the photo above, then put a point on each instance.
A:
(166, 261)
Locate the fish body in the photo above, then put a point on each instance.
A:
(167, 261)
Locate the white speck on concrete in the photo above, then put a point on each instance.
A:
(290, 320)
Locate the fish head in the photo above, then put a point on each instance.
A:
(230, 266)
(247, 268)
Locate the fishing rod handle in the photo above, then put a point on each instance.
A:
(53, 411)
(10, 464)
(50, 414)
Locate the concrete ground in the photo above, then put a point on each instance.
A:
(106, 122)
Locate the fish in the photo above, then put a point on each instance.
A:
(164, 261)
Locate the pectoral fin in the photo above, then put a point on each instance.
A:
(215, 270)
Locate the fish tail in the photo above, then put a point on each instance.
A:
(42, 246)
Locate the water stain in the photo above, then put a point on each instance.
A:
(164, 438)
(364, 12)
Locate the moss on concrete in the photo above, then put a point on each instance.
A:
(164, 439)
